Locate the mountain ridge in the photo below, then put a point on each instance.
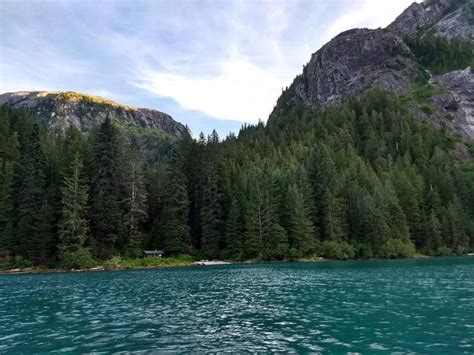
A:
(449, 18)
(357, 60)
(351, 63)
(60, 109)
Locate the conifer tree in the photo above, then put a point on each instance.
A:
(195, 174)
(31, 197)
(254, 223)
(233, 236)
(264, 235)
(408, 197)
(74, 224)
(173, 229)
(211, 201)
(301, 232)
(6, 205)
(329, 208)
(432, 233)
(105, 213)
(134, 200)
(454, 227)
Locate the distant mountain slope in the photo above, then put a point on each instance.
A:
(447, 18)
(61, 109)
(434, 37)
(352, 62)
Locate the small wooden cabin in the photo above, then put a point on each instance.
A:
(153, 253)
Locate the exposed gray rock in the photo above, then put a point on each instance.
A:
(419, 16)
(461, 153)
(353, 62)
(361, 59)
(458, 102)
(356, 60)
(459, 23)
(59, 110)
(448, 18)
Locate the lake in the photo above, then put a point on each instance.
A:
(359, 306)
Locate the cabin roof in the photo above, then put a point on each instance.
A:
(153, 252)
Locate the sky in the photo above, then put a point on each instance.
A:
(210, 64)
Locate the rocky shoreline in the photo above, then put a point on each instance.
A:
(118, 267)
(110, 267)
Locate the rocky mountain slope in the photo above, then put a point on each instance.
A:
(448, 18)
(61, 109)
(362, 59)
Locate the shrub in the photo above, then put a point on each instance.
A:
(294, 254)
(337, 250)
(460, 250)
(426, 109)
(364, 251)
(15, 262)
(77, 259)
(444, 251)
(397, 248)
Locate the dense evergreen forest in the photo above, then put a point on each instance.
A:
(360, 180)
(440, 55)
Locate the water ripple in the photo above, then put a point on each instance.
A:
(396, 306)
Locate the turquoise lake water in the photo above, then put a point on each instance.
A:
(395, 306)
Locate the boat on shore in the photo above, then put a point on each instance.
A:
(211, 262)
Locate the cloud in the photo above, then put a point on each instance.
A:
(246, 85)
(226, 60)
(239, 91)
(236, 72)
(368, 14)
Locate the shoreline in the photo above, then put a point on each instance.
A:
(105, 268)
(29, 271)
(118, 267)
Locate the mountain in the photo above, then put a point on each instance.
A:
(424, 56)
(59, 110)
(448, 18)
(341, 170)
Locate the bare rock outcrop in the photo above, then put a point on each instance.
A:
(447, 18)
(351, 63)
(362, 59)
(457, 101)
(59, 110)
(459, 23)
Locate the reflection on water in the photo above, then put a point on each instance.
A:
(405, 305)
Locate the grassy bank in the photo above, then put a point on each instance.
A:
(143, 263)
(116, 263)
(122, 263)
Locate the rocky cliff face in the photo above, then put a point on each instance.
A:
(459, 23)
(362, 59)
(59, 110)
(456, 100)
(353, 62)
(447, 18)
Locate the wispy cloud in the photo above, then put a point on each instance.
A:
(240, 90)
(369, 14)
(201, 61)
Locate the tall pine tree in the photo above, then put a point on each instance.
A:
(74, 224)
(105, 214)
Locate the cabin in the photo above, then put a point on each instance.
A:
(153, 253)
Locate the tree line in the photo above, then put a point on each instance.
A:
(360, 180)
(440, 55)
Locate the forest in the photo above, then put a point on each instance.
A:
(440, 55)
(361, 180)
